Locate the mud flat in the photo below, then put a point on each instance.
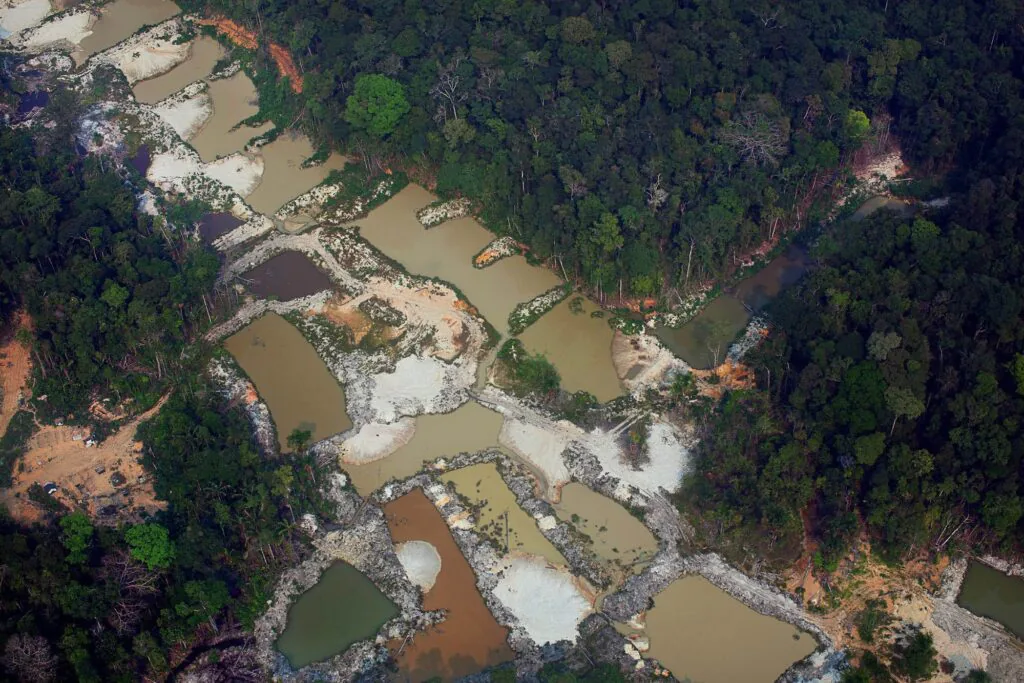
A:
(291, 378)
(579, 345)
(342, 608)
(120, 19)
(287, 276)
(468, 429)
(469, 639)
(203, 55)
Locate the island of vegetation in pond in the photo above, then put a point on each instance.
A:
(344, 607)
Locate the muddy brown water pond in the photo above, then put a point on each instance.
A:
(213, 225)
(343, 608)
(284, 178)
(901, 207)
(579, 345)
(482, 485)
(617, 537)
(988, 592)
(289, 375)
(704, 635)
(234, 99)
(203, 55)
(468, 429)
(287, 276)
(469, 639)
(447, 252)
(119, 20)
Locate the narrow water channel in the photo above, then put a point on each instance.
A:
(203, 55)
(343, 608)
(469, 639)
(119, 20)
(289, 375)
(991, 593)
(704, 635)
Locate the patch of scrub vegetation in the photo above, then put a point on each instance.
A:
(527, 373)
(380, 311)
(527, 313)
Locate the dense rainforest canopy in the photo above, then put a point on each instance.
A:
(113, 295)
(644, 143)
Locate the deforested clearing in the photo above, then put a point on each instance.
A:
(547, 602)
(70, 28)
(414, 387)
(374, 441)
(669, 459)
(16, 17)
(541, 448)
(185, 116)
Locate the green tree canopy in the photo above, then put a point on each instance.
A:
(377, 104)
(151, 545)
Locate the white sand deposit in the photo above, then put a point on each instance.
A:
(414, 387)
(70, 28)
(149, 53)
(669, 459)
(547, 602)
(238, 171)
(375, 441)
(540, 447)
(167, 169)
(421, 561)
(16, 16)
(186, 116)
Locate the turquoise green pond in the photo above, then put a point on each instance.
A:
(343, 608)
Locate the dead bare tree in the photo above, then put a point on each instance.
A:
(30, 658)
(656, 195)
(756, 137)
(448, 88)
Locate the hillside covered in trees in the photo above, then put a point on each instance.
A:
(643, 145)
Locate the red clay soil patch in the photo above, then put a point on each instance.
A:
(243, 37)
(469, 639)
(286, 66)
(15, 366)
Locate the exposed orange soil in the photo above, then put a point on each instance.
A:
(730, 376)
(469, 639)
(243, 37)
(15, 366)
(340, 313)
(488, 256)
(286, 66)
(60, 455)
